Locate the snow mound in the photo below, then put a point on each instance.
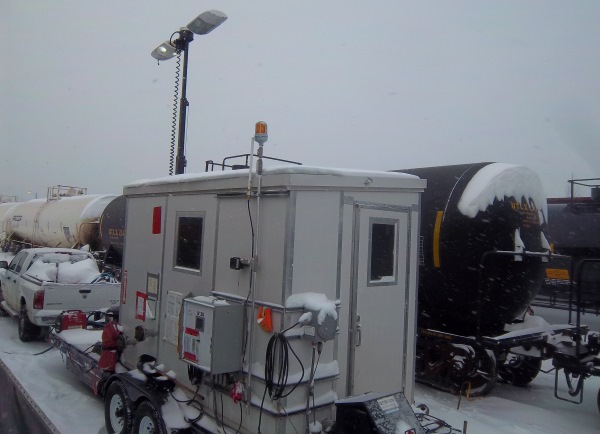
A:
(61, 268)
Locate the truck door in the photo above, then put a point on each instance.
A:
(9, 289)
(378, 341)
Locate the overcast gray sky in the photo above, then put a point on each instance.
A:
(353, 84)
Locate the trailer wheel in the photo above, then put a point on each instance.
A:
(148, 420)
(118, 409)
(520, 370)
(474, 371)
(27, 330)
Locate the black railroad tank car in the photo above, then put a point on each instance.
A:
(453, 294)
(574, 226)
(482, 262)
(574, 233)
(112, 230)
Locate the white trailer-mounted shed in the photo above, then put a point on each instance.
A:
(330, 256)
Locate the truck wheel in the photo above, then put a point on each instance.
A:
(2, 311)
(148, 420)
(118, 409)
(27, 330)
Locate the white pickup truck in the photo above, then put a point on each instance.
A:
(39, 284)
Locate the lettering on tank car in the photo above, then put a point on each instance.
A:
(116, 232)
(523, 206)
(528, 213)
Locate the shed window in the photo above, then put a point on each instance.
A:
(382, 260)
(188, 252)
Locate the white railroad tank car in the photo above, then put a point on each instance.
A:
(4, 208)
(58, 221)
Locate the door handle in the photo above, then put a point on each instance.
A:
(358, 339)
(85, 291)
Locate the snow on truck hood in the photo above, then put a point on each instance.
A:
(497, 180)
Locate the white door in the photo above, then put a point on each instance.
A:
(378, 341)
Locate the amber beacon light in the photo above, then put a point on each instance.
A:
(260, 132)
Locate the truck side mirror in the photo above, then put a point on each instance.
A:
(4, 264)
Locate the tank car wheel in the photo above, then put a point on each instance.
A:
(478, 374)
(118, 409)
(27, 330)
(148, 420)
(520, 370)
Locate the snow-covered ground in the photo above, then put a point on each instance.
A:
(561, 316)
(72, 407)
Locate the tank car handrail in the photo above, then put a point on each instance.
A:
(581, 181)
(578, 286)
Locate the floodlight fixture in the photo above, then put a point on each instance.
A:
(164, 51)
(204, 23)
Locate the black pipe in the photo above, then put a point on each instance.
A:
(185, 37)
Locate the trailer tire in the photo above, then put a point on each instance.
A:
(148, 420)
(118, 409)
(27, 330)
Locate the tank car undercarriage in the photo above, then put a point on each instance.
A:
(472, 367)
(454, 364)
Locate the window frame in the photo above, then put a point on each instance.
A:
(18, 262)
(195, 215)
(389, 279)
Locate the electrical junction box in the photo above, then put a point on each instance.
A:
(320, 332)
(211, 334)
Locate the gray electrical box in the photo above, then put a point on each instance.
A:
(211, 334)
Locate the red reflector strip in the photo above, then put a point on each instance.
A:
(156, 219)
(190, 356)
(193, 332)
